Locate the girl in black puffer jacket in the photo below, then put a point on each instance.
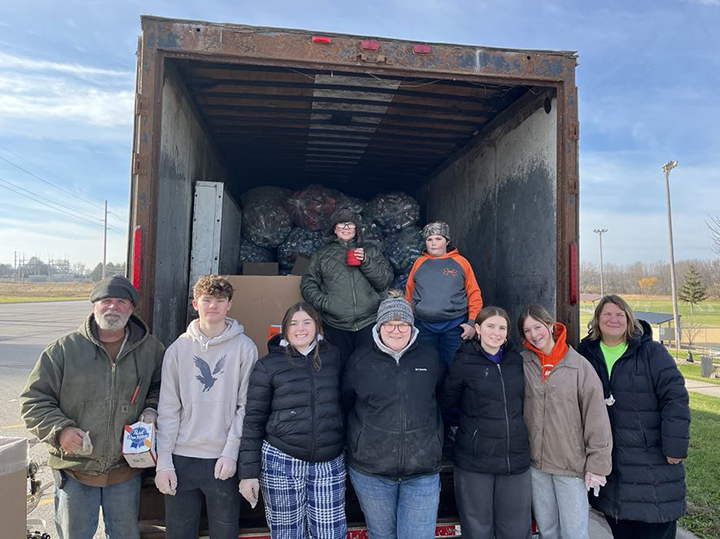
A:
(293, 432)
(492, 454)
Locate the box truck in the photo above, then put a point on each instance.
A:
(486, 139)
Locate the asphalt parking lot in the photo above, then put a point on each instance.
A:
(25, 330)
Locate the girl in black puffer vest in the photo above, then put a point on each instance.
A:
(293, 431)
(491, 455)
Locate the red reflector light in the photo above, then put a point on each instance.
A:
(573, 273)
(321, 39)
(137, 257)
(421, 49)
(369, 45)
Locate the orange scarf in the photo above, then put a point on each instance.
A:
(548, 361)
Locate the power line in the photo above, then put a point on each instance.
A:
(46, 181)
(87, 201)
(50, 201)
(53, 207)
(118, 216)
(15, 189)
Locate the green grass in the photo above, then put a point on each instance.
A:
(31, 299)
(692, 372)
(703, 468)
(706, 314)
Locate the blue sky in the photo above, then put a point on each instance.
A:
(648, 79)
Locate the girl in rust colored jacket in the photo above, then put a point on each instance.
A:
(568, 426)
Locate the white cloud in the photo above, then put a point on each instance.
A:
(8, 61)
(40, 99)
(84, 105)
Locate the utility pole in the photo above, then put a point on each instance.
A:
(667, 167)
(600, 232)
(105, 242)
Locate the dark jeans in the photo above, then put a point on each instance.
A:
(196, 480)
(633, 529)
(446, 342)
(348, 341)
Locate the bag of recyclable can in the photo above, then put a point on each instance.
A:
(312, 206)
(402, 248)
(249, 252)
(300, 241)
(372, 233)
(265, 222)
(266, 192)
(355, 204)
(393, 211)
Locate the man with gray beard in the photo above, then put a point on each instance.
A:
(84, 389)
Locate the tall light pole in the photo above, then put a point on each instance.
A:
(667, 167)
(105, 242)
(600, 232)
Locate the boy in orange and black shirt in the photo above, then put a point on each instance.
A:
(443, 292)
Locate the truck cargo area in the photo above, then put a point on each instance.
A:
(479, 136)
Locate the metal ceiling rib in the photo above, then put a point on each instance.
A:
(292, 127)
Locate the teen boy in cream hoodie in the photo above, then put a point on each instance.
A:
(200, 417)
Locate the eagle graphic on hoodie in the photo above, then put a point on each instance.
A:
(205, 377)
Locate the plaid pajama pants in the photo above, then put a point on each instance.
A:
(303, 499)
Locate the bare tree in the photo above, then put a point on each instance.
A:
(691, 331)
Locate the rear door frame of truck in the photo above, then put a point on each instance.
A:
(163, 39)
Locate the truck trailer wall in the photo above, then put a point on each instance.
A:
(500, 199)
(186, 155)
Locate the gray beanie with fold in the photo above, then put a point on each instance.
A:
(395, 310)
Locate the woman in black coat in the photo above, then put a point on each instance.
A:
(492, 452)
(293, 438)
(650, 417)
(394, 427)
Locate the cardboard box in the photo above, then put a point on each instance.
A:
(301, 265)
(261, 301)
(13, 486)
(260, 268)
(139, 445)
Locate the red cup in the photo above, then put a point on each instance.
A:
(352, 260)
